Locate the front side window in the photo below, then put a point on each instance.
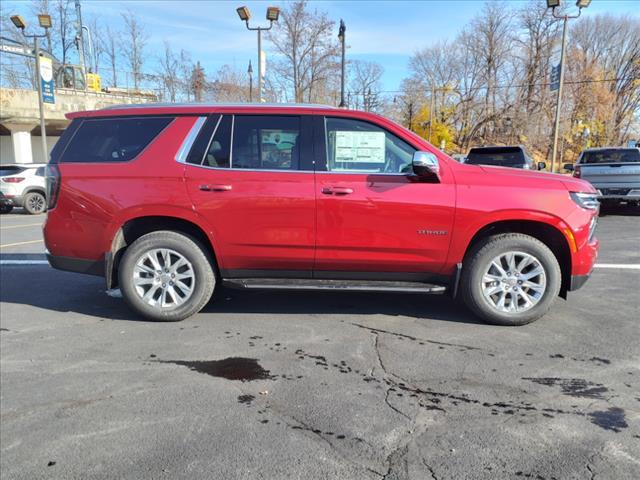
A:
(266, 142)
(112, 139)
(361, 147)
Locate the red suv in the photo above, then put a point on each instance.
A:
(168, 201)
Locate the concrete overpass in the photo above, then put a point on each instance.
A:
(20, 118)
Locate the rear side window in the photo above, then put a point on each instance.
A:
(219, 151)
(618, 155)
(10, 170)
(505, 157)
(107, 140)
(266, 142)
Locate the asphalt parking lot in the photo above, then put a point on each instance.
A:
(316, 385)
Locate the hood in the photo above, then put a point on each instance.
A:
(570, 183)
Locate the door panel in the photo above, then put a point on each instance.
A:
(262, 205)
(374, 215)
(390, 223)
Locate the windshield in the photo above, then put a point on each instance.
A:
(613, 155)
(501, 156)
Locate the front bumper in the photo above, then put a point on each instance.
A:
(619, 193)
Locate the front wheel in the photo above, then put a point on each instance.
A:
(510, 279)
(166, 276)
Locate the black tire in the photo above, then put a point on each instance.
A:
(6, 208)
(477, 262)
(35, 203)
(191, 250)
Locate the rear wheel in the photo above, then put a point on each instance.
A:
(510, 279)
(35, 203)
(166, 276)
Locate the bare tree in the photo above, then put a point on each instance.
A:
(198, 82)
(110, 45)
(169, 65)
(309, 49)
(136, 40)
(365, 83)
(185, 68)
(230, 85)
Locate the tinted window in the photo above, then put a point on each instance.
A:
(113, 139)
(356, 146)
(40, 172)
(500, 156)
(619, 155)
(219, 150)
(8, 170)
(196, 154)
(266, 142)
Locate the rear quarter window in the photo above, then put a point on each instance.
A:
(505, 157)
(10, 170)
(108, 140)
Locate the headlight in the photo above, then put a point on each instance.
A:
(586, 200)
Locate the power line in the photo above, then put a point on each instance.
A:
(486, 87)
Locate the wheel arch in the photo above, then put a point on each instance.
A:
(134, 228)
(548, 234)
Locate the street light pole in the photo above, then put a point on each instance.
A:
(272, 15)
(250, 72)
(553, 4)
(45, 22)
(43, 132)
(341, 36)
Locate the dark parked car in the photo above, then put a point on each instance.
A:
(514, 157)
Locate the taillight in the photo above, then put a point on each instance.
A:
(576, 171)
(13, 179)
(52, 181)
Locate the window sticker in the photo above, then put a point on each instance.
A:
(360, 147)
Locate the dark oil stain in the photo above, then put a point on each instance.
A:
(51, 463)
(575, 387)
(264, 421)
(557, 355)
(246, 399)
(613, 419)
(232, 368)
(600, 360)
(4, 330)
(153, 355)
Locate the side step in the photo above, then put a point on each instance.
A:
(321, 284)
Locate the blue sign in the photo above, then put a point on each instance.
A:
(46, 80)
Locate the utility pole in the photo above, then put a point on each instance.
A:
(341, 35)
(80, 42)
(553, 4)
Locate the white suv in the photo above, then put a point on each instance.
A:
(24, 186)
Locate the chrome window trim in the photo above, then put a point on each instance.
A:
(233, 132)
(183, 151)
(250, 169)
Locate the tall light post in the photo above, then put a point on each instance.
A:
(341, 36)
(45, 22)
(250, 73)
(272, 15)
(553, 4)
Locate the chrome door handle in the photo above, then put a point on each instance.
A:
(337, 190)
(215, 188)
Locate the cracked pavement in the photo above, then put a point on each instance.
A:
(320, 385)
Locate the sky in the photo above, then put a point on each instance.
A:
(387, 32)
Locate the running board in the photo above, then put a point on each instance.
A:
(334, 285)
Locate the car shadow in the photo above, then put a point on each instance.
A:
(48, 289)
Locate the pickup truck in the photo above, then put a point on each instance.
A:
(513, 157)
(613, 171)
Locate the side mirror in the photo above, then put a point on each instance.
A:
(568, 167)
(542, 165)
(425, 164)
